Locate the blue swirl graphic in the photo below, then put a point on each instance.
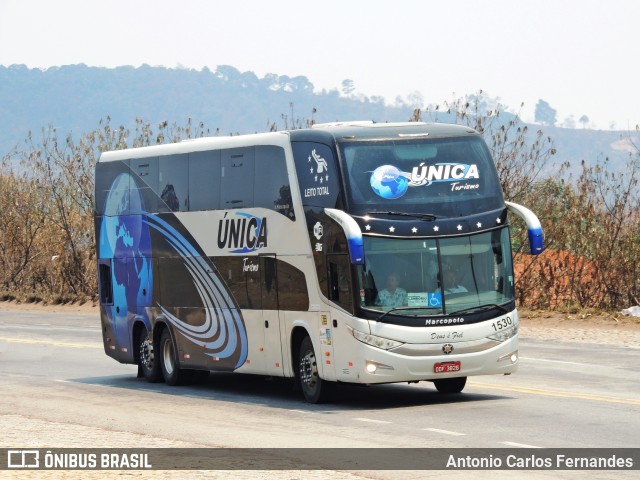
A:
(223, 332)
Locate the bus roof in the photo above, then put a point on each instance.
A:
(369, 130)
(356, 130)
(197, 145)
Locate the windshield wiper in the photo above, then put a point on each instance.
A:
(379, 319)
(422, 216)
(480, 308)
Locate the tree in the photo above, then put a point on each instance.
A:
(584, 120)
(348, 87)
(520, 155)
(570, 122)
(545, 114)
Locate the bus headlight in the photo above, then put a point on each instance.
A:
(504, 335)
(374, 340)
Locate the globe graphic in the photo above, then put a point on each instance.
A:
(389, 182)
(124, 237)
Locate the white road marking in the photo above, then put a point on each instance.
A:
(519, 445)
(560, 361)
(556, 393)
(371, 420)
(50, 342)
(446, 432)
(44, 326)
(61, 380)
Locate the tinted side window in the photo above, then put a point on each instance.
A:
(317, 174)
(271, 186)
(237, 178)
(269, 283)
(173, 183)
(106, 286)
(147, 170)
(292, 288)
(204, 180)
(112, 188)
(176, 285)
(242, 276)
(340, 281)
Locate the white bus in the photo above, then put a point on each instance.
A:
(358, 253)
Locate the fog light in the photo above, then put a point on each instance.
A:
(371, 368)
(512, 357)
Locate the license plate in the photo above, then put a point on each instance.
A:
(446, 367)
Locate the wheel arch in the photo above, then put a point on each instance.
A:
(297, 335)
(158, 327)
(136, 331)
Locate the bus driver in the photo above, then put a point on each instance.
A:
(392, 296)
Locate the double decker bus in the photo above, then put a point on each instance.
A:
(357, 253)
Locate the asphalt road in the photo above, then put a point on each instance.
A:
(59, 389)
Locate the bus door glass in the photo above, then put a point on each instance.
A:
(340, 294)
(271, 314)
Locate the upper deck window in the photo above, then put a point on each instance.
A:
(443, 176)
(255, 176)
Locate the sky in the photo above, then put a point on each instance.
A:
(580, 56)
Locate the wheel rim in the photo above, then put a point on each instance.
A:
(146, 353)
(309, 371)
(167, 355)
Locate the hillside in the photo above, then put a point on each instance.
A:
(74, 98)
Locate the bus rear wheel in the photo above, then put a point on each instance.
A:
(147, 357)
(315, 389)
(450, 385)
(171, 371)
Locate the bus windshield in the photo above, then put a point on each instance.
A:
(444, 276)
(450, 177)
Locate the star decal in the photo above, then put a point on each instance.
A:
(498, 220)
(414, 230)
(392, 229)
(311, 170)
(459, 227)
(327, 178)
(479, 225)
(436, 228)
(367, 227)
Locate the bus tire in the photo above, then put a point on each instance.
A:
(148, 363)
(171, 371)
(315, 389)
(450, 385)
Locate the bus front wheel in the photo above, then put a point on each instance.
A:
(450, 385)
(315, 389)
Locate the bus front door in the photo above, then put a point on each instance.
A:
(271, 316)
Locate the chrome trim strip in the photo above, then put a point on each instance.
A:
(435, 349)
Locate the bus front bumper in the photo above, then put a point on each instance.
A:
(388, 366)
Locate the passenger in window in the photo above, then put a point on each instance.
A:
(451, 283)
(393, 295)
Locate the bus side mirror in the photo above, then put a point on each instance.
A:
(352, 232)
(534, 227)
